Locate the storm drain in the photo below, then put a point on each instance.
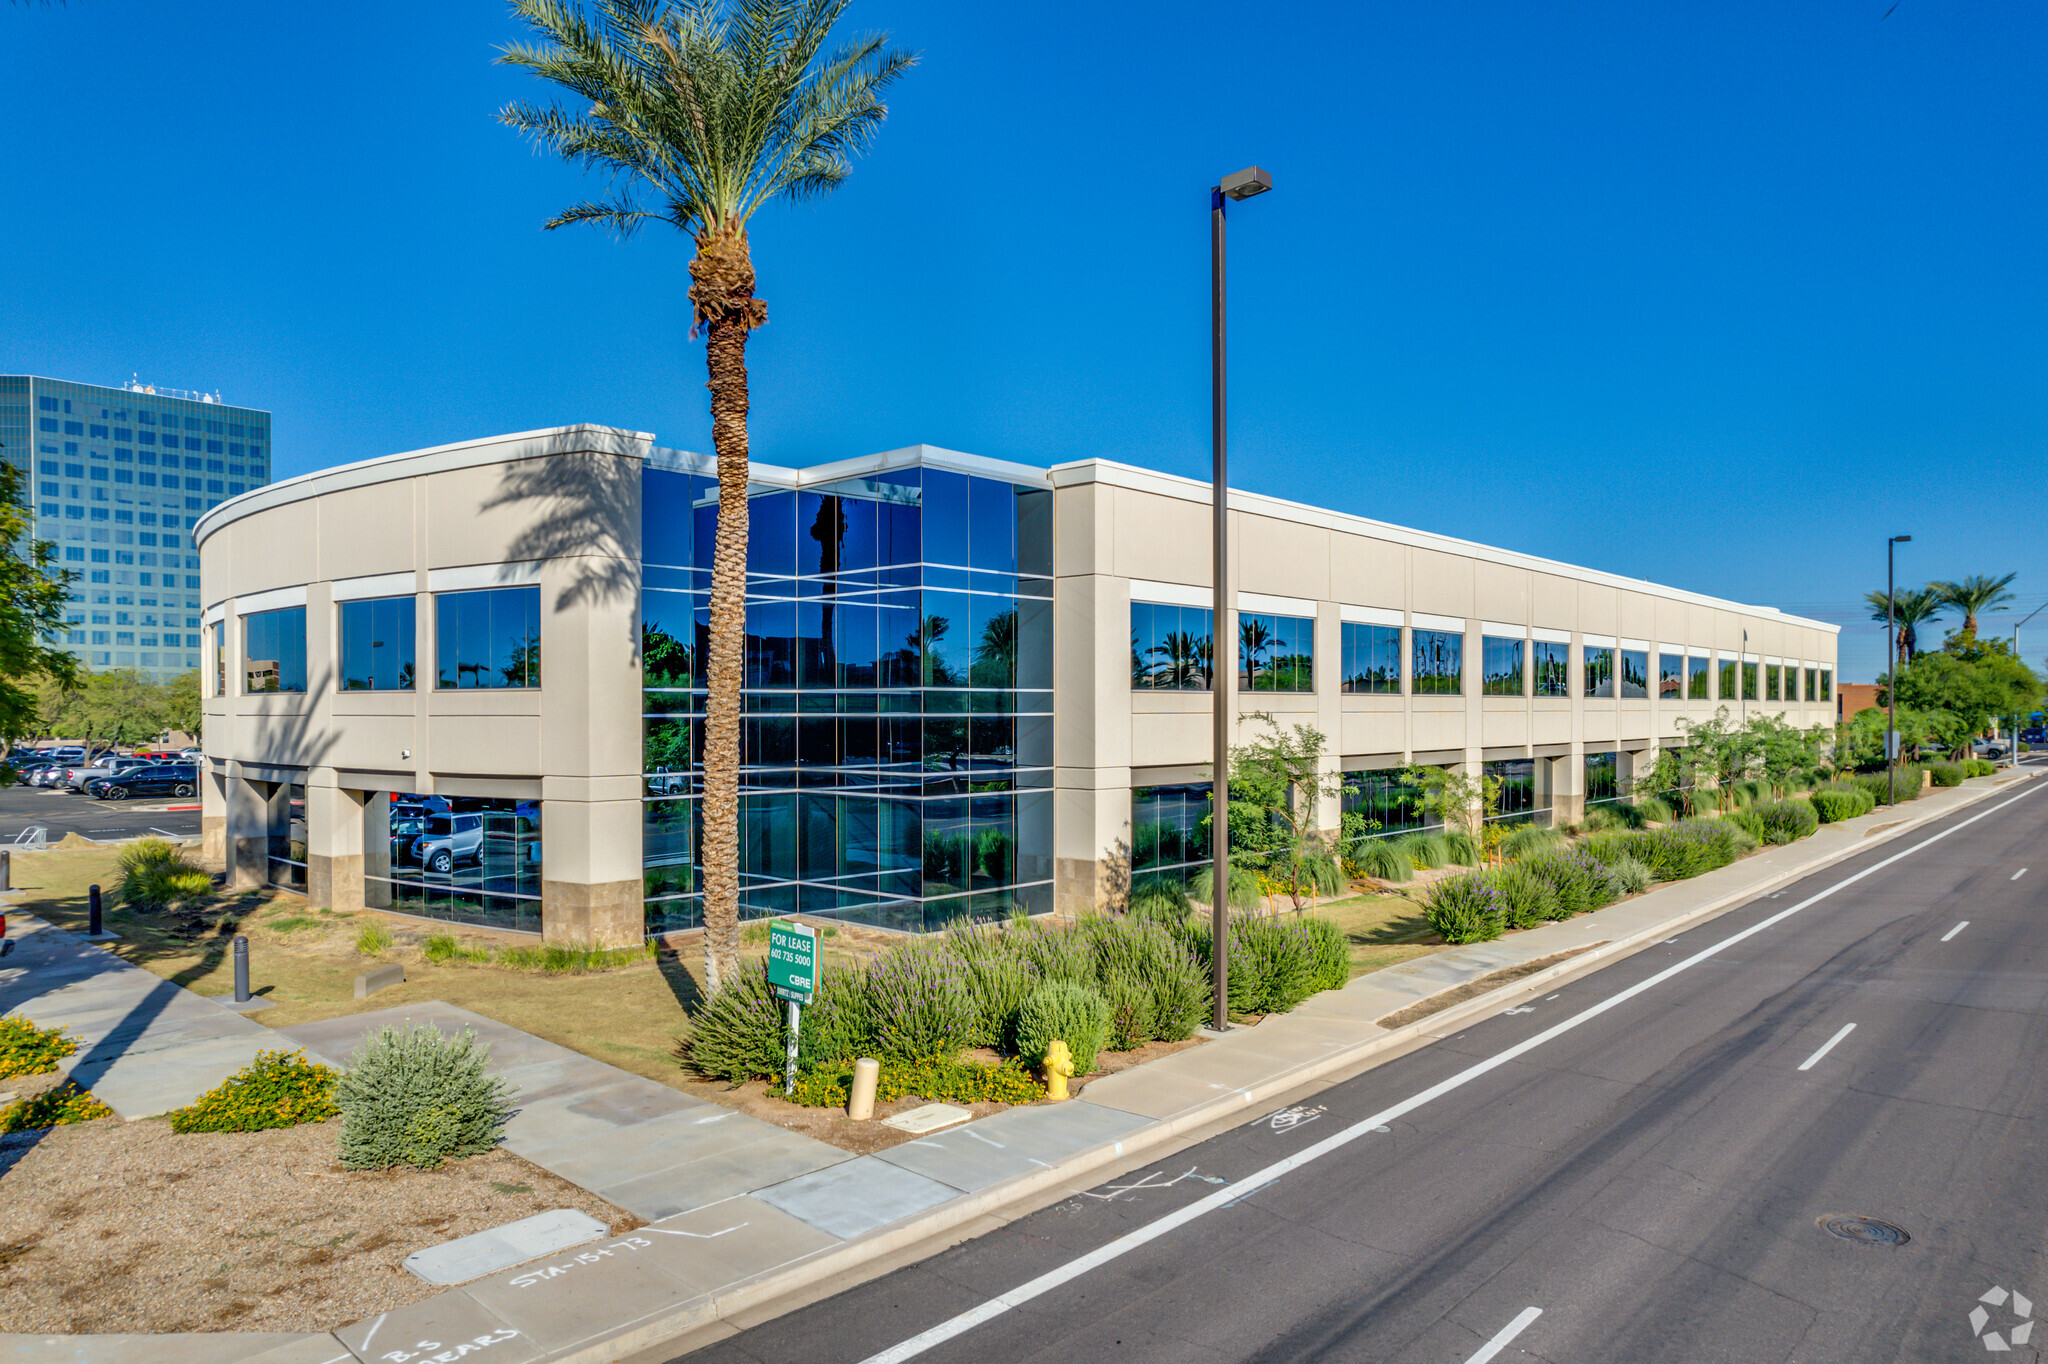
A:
(1869, 1231)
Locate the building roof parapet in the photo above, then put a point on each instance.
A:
(1078, 472)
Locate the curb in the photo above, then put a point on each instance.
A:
(806, 1273)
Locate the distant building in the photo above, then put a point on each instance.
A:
(116, 477)
(1852, 698)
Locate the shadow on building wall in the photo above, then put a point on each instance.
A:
(584, 510)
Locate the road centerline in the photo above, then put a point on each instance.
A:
(1827, 1046)
(1132, 1240)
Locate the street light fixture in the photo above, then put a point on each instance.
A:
(1222, 656)
(1891, 668)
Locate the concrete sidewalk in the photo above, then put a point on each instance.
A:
(751, 1234)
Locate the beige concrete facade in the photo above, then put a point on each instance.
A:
(1125, 534)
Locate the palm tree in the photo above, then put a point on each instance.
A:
(1974, 595)
(1911, 609)
(1253, 639)
(702, 111)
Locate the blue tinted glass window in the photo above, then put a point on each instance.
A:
(945, 518)
(1500, 668)
(771, 535)
(1697, 667)
(1635, 674)
(992, 525)
(1599, 674)
(1171, 647)
(1670, 676)
(1275, 653)
(1169, 829)
(1438, 666)
(377, 644)
(487, 639)
(1600, 778)
(1551, 668)
(1372, 658)
(274, 650)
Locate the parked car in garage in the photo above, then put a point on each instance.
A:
(151, 779)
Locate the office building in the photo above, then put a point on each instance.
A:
(972, 687)
(116, 478)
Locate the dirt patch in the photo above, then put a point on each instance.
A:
(113, 1226)
(832, 1126)
(1492, 980)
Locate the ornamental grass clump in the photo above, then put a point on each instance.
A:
(1531, 840)
(920, 1003)
(1063, 1011)
(996, 979)
(1424, 851)
(1160, 902)
(155, 876)
(277, 1089)
(1467, 908)
(1580, 881)
(1378, 859)
(1155, 988)
(1631, 875)
(1785, 821)
(1528, 897)
(415, 1097)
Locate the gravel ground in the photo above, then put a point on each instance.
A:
(113, 1226)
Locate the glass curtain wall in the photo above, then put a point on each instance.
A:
(1601, 778)
(1169, 832)
(897, 737)
(1389, 806)
(1500, 668)
(1517, 778)
(1553, 668)
(286, 854)
(464, 860)
(1372, 658)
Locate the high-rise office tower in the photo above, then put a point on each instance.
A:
(116, 477)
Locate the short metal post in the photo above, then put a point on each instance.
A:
(93, 929)
(6, 869)
(241, 969)
(796, 1017)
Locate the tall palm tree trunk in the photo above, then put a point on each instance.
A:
(723, 292)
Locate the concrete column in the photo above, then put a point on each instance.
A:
(247, 836)
(213, 814)
(591, 882)
(334, 842)
(376, 836)
(1568, 786)
(1092, 865)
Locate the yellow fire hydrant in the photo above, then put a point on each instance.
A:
(1059, 1064)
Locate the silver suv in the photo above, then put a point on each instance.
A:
(449, 839)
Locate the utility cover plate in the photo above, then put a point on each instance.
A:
(930, 1118)
(487, 1252)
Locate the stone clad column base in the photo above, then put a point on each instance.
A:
(335, 881)
(250, 865)
(583, 914)
(213, 838)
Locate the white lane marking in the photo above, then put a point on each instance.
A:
(1957, 929)
(1506, 1334)
(1827, 1046)
(1173, 1221)
(2018, 874)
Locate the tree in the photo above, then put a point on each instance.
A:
(1912, 608)
(701, 112)
(32, 597)
(1975, 595)
(1277, 784)
(182, 710)
(1971, 682)
(1454, 797)
(120, 706)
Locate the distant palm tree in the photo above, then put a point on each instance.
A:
(1975, 595)
(1911, 609)
(1253, 639)
(711, 109)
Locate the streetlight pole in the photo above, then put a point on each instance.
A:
(1891, 668)
(1222, 656)
(2022, 662)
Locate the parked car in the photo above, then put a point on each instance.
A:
(110, 766)
(448, 839)
(150, 779)
(1989, 748)
(192, 754)
(2036, 735)
(25, 770)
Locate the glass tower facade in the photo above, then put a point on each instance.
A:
(897, 732)
(116, 477)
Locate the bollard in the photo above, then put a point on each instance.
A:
(93, 929)
(860, 1100)
(241, 969)
(6, 869)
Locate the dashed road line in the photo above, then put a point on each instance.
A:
(1957, 929)
(1827, 1046)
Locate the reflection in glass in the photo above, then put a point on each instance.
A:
(1635, 674)
(1500, 668)
(1729, 687)
(1387, 805)
(1601, 783)
(1169, 831)
(1749, 681)
(1372, 658)
(1599, 675)
(1773, 673)
(487, 639)
(1698, 668)
(1517, 801)
(1553, 668)
(1439, 662)
(274, 650)
(377, 644)
(1171, 647)
(1670, 676)
(1827, 684)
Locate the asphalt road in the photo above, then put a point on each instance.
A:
(61, 812)
(1628, 1169)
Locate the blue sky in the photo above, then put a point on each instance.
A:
(1714, 295)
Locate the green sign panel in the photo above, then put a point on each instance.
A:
(792, 961)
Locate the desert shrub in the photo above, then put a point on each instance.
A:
(1379, 860)
(155, 876)
(1244, 886)
(414, 1097)
(1155, 987)
(838, 1024)
(1742, 841)
(1747, 820)
(1947, 774)
(1466, 908)
(1978, 767)
(1160, 902)
(1601, 819)
(1460, 848)
(1786, 821)
(1531, 840)
(1424, 850)
(932, 1078)
(277, 1089)
(1676, 851)
(920, 1002)
(1528, 898)
(996, 979)
(67, 1103)
(1329, 955)
(1578, 880)
(1281, 962)
(1656, 808)
(1062, 1010)
(372, 939)
(1632, 876)
(1056, 954)
(26, 1049)
(1840, 800)
(738, 1031)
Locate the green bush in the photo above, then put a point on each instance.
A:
(277, 1089)
(1155, 987)
(67, 1103)
(1632, 876)
(1160, 902)
(155, 876)
(1277, 963)
(1578, 881)
(1840, 800)
(1380, 860)
(1676, 851)
(737, 1033)
(1530, 840)
(1529, 898)
(1747, 820)
(931, 1078)
(1461, 849)
(1947, 774)
(1785, 821)
(1062, 1010)
(26, 1049)
(996, 979)
(1656, 808)
(1883, 790)
(414, 1097)
(1424, 850)
(1979, 767)
(1244, 886)
(1466, 908)
(920, 1001)
(1055, 953)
